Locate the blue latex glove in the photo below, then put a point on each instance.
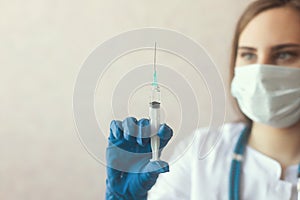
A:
(130, 174)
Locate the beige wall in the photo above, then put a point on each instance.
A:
(42, 46)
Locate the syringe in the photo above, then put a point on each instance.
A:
(154, 113)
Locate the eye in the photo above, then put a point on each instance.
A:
(248, 56)
(286, 55)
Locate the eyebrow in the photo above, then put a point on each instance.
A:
(282, 46)
(247, 48)
(276, 48)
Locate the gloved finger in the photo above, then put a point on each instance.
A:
(130, 129)
(165, 133)
(143, 134)
(116, 130)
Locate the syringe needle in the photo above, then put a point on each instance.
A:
(154, 82)
(154, 62)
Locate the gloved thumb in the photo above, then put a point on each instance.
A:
(144, 181)
(152, 170)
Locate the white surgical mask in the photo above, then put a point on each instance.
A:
(268, 94)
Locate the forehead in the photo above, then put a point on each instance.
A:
(271, 27)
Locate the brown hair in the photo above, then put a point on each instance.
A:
(252, 11)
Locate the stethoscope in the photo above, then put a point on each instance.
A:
(235, 169)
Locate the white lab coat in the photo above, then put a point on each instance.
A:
(208, 179)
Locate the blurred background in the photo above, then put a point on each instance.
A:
(43, 45)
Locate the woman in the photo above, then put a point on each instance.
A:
(254, 160)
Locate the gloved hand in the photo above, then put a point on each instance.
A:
(130, 174)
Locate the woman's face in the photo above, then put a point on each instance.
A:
(272, 37)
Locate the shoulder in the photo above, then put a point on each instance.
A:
(231, 131)
(206, 142)
(225, 136)
(229, 128)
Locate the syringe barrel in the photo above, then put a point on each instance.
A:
(154, 115)
(155, 96)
